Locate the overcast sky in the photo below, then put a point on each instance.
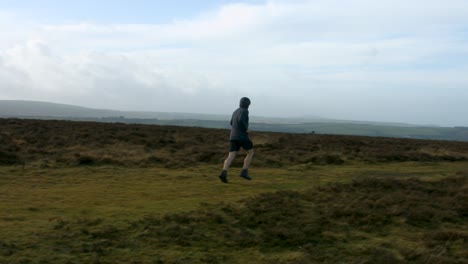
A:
(395, 60)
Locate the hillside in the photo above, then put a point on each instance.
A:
(58, 143)
(46, 110)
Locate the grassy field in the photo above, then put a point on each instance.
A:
(40, 208)
(78, 192)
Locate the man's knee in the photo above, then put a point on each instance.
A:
(250, 152)
(232, 155)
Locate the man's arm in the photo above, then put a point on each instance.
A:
(244, 120)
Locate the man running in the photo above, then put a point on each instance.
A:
(239, 138)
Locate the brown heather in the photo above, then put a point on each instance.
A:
(57, 143)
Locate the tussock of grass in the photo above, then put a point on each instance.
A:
(371, 220)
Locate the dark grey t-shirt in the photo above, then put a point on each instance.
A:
(239, 124)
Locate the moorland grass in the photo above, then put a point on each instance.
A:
(301, 214)
(64, 143)
(84, 192)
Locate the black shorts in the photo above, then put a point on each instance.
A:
(237, 144)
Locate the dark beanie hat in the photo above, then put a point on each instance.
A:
(244, 102)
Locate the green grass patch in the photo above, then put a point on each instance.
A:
(407, 212)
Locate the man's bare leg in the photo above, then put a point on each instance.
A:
(248, 159)
(227, 164)
(229, 159)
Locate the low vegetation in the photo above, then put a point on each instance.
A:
(64, 143)
(79, 192)
(371, 220)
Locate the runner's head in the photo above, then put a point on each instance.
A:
(244, 102)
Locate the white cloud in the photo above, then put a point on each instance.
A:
(312, 54)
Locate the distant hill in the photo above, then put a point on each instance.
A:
(18, 108)
(44, 110)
